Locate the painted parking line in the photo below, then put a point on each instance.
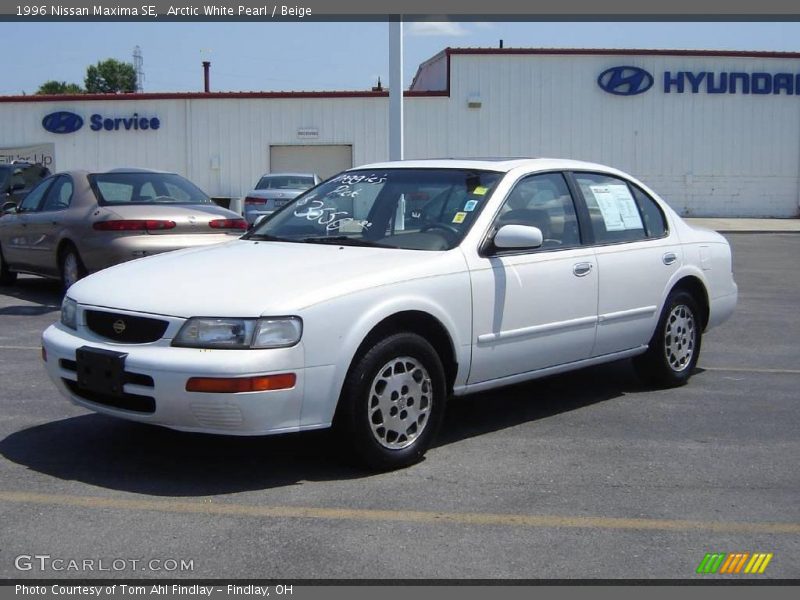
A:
(403, 516)
(752, 370)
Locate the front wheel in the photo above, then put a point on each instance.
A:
(392, 402)
(675, 347)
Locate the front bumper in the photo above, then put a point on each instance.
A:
(159, 372)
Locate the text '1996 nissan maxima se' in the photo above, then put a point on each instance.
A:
(369, 300)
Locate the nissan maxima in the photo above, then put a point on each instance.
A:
(369, 301)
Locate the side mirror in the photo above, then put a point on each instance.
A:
(8, 207)
(509, 237)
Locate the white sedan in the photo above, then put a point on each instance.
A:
(367, 302)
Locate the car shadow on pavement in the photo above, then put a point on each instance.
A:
(482, 413)
(40, 296)
(122, 455)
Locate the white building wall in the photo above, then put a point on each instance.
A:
(222, 144)
(725, 154)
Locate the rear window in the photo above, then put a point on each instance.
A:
(285, 182)
(146, 188)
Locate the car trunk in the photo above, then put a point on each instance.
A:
(187, 218)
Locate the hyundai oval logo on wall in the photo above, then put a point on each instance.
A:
(62, 122)
(625, 81)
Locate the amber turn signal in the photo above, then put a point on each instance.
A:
(233, 385)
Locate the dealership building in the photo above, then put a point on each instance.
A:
(714, 133)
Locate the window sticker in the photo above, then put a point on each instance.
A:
(480, 191)
(617, 207)
(459, 218)
(470, 205)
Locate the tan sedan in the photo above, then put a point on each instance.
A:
(76, 222)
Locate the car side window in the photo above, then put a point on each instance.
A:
(614, 213)
(59, 196)
(654, 221)
(31, 202)
(543, 201)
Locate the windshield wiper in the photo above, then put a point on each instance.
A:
(263, 237)
(342, 240)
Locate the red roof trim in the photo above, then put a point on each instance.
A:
(625, 52)
(209, 96)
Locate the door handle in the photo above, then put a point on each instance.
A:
(669, 258)
(582, 269)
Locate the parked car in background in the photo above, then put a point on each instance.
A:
(77, 222)
(274, 191)
(18, 178)
(372, 298)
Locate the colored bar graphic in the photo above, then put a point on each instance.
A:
(758, 564)
(711, 562)
(732, 563)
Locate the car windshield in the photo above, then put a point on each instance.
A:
(146, 188)
(285, 182)
(415, 209)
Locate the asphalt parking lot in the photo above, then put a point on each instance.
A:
(587, 475)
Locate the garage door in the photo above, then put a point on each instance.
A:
(322, 160)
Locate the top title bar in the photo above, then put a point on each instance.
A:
(412, 10)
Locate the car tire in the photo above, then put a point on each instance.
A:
(675, 346)
(392, 402)
(7, 277)
(71, 267)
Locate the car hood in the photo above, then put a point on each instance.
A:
(246, 278)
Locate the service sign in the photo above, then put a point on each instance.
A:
(64, 121)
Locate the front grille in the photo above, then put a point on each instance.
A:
(125, 401)
(125, 328)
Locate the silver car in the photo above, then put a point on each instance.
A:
(76, 222)
(273, 191)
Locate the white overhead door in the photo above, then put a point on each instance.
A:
(324, 160)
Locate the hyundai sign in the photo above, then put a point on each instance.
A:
(62, 122)
(625, 81)
(68, 122)
(630, 81)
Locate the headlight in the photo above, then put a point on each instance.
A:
(272, 332)
(69, 313)
(277, 333)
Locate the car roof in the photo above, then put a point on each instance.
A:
(498, 164)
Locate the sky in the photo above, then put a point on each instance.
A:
(314, 56)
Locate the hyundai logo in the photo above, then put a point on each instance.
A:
(62, 122)
(625, 81)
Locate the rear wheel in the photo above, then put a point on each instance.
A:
(7, 277)
(675, 347)
(392, 402)
(72, 268)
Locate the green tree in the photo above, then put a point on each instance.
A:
(58, 87)
(109, 77)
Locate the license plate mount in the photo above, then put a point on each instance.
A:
(101, 371)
